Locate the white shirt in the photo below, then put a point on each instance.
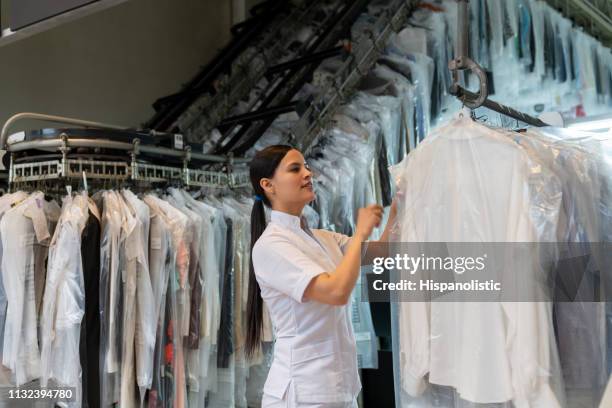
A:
(315, 348)
(64, 299)
(468, 183)
(22, 227)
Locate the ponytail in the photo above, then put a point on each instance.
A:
(263, 165)
(254, 300)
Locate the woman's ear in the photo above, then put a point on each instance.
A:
(267, 185)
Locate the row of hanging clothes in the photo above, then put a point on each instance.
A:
(527, 46)
(394, 108)
(468, 182)
(131, 299)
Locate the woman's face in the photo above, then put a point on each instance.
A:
(291, 184)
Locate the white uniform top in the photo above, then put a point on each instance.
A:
(315, 348)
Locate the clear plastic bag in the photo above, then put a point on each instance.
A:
(64, 301)
(110, 295)
(455, 187)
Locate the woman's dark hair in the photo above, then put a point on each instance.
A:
(263, 165)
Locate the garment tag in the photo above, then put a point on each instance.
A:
(155, 243)
(178, 141)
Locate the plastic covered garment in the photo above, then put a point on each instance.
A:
(581, 161)
(26, 230)
(6, 202)
(389, 112)
(191, 316)
(145, 317)
(469, 183)
(161, 268)
(223, 392)
(64, 300)
(422, 69)
(199, 357)
(176, 223)
(110, 297)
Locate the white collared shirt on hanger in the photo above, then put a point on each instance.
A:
(315, 348)
(469, 183)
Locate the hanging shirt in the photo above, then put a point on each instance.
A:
(64, 300)
(6, 201)
(315, 348)
(22, 228)
(469, 183)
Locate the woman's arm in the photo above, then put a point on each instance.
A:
(335, 287)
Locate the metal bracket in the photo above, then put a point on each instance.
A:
(465, 63)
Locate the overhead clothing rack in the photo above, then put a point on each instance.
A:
(364, 54)
(286, 88)
(272, 58)
(140, 156)
(463, 62)
(256, 51)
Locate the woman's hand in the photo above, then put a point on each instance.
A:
(367, 219)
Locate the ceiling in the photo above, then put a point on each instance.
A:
(595, 16)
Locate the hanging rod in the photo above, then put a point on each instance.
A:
(260, 114)
(52, 118)
(110, 144)
(65, 141)
(308, 59)
(503, 109)
(464, 63)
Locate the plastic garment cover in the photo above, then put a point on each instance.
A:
(6, 202)
(242, 261)
(456, 188)
(64, 300)
(199, 357)
(144, 341)
(579, 159)
(213, 257)
(26, 230)
(177, 224)
(130, 249)
(161, 268)
(110, 297)
(389, 111)
(223, 393)
(422, 69)
(191, 320)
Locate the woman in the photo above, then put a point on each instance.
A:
(306, 278)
